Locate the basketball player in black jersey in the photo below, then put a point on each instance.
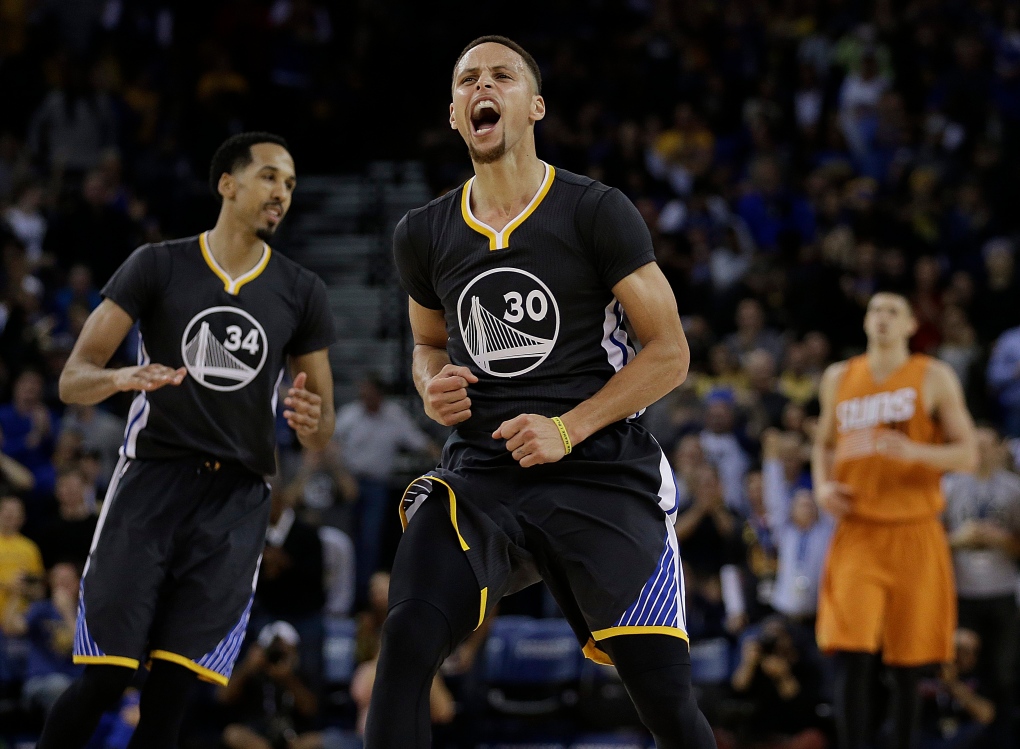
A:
(172, 570)
(518, 282)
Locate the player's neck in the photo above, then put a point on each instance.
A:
(504, 188)
(235, 249)
(884, 360)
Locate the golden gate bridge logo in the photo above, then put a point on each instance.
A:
(218, 364)
(525, 332)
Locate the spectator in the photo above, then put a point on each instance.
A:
(26, 220)
(995, 308)
(751, 333)
(687, 459)
(101, 432)
(983, 520)
(28, 429)
(49, 627)
(705, 528)
(802, 534)
(959, 348)
(766, 398)
(796, 382)
(370, 432)
(724, 373)
(79, 291)
(782, 684)
(271, 703)
(723, 449)
(858, 103)
(1004, 379)
(68, 537)
(955, 709)
(19, 556)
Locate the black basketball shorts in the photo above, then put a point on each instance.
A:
(173, 566)
(597, 526)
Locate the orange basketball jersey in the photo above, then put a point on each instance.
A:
(885, 489)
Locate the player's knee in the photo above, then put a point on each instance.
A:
(416, 635)
(103, 686)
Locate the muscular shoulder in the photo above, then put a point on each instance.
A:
(419, 221)
(940, 379)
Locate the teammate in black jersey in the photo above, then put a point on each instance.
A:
(518, 282)
(173, 564)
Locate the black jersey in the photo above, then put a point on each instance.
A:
(530, 310)
(232, 335)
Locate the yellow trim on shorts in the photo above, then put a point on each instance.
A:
(105, 660)
(453, 508)
(603, 634)
(206, 674)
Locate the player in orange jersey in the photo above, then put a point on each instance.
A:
(891, 423)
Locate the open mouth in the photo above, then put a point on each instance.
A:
(274, 212)
(484, 117)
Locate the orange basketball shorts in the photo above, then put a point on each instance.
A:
(889, 587)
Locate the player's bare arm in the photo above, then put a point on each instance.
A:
(87, 380)
(309, 400)
(832, 496)
(944, 397)
(659, 367)
(441, 385)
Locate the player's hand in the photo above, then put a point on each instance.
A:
(532, 439)
(446, 398)
(304, 408)
(834, 498)
(893, 444)
(147, 377)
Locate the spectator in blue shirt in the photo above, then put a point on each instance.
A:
(1004, 379)
(28, 428)
(49, 627)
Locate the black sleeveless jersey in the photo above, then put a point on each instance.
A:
(530, 310)
(233, 336)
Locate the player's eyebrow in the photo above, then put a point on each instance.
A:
(476, 70)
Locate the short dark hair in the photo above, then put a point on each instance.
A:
(235, 153)
(510, 44)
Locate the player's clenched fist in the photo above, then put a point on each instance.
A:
(148, 377)
(532, 439)
(446, 398)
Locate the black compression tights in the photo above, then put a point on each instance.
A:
(855, 674)
(74, 717)
(434, 606)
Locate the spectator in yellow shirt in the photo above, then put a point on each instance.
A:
(19, 556)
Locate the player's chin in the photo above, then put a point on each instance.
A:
(265, 233)
(486, 149)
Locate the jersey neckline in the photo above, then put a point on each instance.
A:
(233, 285)
(500, 240)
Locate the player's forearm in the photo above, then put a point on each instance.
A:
(319, 439)
(821, 464)
(658, 368)
(19, 477)
(427, 362)
(955, 456)
(87, 384)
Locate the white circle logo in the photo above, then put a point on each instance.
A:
(509, 321)
(224, 348)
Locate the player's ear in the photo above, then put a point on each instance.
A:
(227, 186)
(537, 108)
(453, 119)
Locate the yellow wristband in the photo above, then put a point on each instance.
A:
(567, 447)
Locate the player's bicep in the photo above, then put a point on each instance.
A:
(949, 405)
(428, 326)
(315, 365)
(826, 430)
(651, 307)
(102, 334)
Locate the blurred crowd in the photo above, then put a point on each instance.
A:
(791, 157)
